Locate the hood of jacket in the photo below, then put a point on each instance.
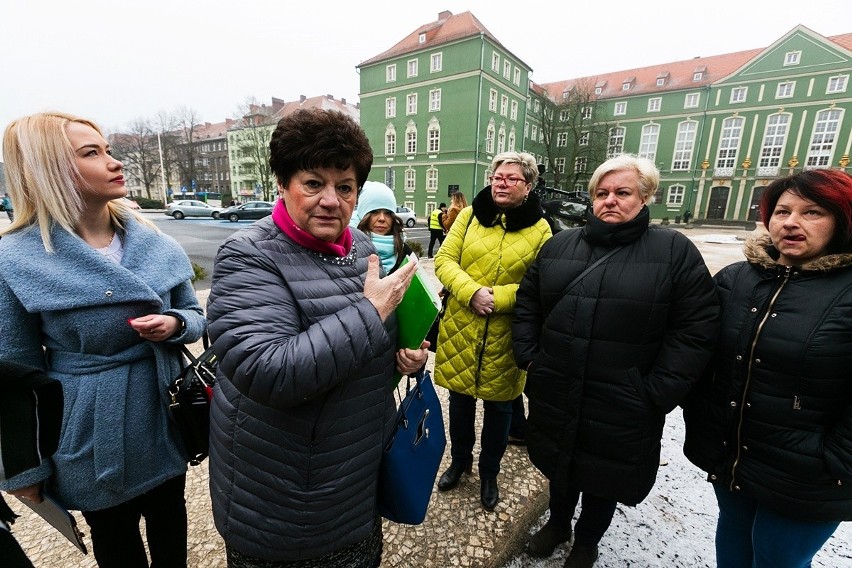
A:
(760, 251)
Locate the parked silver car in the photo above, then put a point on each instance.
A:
(191, 208)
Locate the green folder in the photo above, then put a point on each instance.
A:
(417, 311)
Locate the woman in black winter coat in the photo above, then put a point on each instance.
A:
(610, 356)
(771, 422)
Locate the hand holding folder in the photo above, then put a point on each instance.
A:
(58, 516)
(417, 310)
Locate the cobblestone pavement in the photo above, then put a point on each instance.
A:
(457, 532)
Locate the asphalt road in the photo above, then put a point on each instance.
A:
(201, 237)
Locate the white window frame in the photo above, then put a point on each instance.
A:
(434, 100)
(390, 141)
(432, 180)
(436, 62)
(581, 163)
(675, 195)
(562, 140)
(504, 105)
(739, 95)
(410, 180)
(684, 145)
(513, 110)
(837, 84)
(411, 68)
(587, 113)
(655, 104)
(390, 107)
(411, 104)
(824, 138)
(390, 73)
(792, 58)
(507, 69)
(774, 140)
(411, 138)
(495, 62)
(692, 100)
(501, 139)
(730, 137)
(584, 139)
(559, 165)
(648, 141)
(615, 144)
(492, 100)
(511, 143)
(490, 133)
(620, 108)
(516, 77)
(534, 132)
(785, 90)
(433, 137)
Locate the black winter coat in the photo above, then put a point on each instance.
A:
(614, 354)
(772, 417)
(304, 399)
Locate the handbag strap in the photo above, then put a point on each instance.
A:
(205, 341)
(589, 268)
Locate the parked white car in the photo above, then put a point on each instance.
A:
(406, 215)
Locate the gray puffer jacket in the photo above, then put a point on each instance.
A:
(304, 399)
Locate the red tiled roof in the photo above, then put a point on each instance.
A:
(447, 28)
(680, 74)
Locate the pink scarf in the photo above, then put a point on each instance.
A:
(283, 221)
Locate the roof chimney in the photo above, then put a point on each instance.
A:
(343, 101)
(444, 15)
(302, 98)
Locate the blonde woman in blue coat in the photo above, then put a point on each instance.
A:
(100, 299)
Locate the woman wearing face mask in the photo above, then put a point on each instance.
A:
(97, 297)
(771, 420)
(376, 204)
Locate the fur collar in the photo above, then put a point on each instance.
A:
(525, 215)
(758, 250)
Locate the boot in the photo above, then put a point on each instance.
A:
(544, 542)
(581, 556)
(450, 479)
(489, 494)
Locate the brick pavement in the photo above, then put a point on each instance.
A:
(456, 532)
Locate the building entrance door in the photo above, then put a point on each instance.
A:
(754, 207)
(718, 202)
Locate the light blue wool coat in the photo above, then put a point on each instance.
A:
(67, 312)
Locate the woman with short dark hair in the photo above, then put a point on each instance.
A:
(771, 421)
(306, 331)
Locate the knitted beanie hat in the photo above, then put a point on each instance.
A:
(374, 196)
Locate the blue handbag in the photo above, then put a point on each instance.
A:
(412, 455)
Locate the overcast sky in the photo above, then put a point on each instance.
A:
(114, 61)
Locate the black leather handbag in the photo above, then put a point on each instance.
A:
(189, 405)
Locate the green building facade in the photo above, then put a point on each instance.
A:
(436, 108)
(439, 104)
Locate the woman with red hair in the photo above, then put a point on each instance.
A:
(771, 420)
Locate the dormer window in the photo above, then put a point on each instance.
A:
(422, 38)
(599, 87)
(699, 73)
(662, 79)
(792, 58)
(628, 83)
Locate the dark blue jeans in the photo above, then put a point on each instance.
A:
(495, 432)
(595, 514)
(750, 535)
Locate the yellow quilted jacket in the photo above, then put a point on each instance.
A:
(474, 354)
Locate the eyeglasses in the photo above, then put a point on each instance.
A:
(510, 182)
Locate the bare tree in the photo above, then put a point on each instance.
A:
(165, 126)
(255, 126)
(137, 149)
(574, 134)
(186, 121)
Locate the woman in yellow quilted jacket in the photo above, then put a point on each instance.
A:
(481, 263)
